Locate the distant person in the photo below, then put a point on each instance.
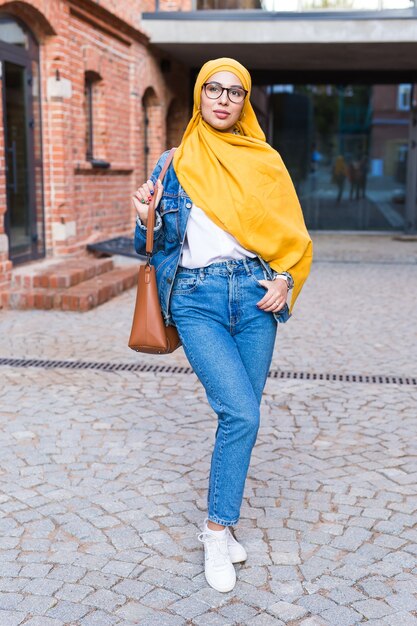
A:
(230, 241)
(339, 175)
(355, 178)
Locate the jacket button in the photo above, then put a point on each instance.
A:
(169, 281)
(188, 205)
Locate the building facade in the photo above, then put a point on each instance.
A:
(86, 108)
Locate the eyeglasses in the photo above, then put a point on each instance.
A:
(214, 91)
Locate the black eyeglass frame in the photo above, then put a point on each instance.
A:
(227, 89)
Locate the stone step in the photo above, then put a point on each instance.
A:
(59, 274)
(97, 290)
(81, 297)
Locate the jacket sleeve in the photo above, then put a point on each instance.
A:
(140, 229)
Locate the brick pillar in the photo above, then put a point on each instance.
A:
(61, 218)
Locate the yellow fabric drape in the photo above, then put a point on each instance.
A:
(242, 184)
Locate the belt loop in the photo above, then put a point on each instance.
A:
(246, 266)
(201, 272)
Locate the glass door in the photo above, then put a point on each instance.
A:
(19, 71)
(19, 222)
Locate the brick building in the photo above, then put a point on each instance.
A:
(86, 108)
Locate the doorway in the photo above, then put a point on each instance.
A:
(19, 64)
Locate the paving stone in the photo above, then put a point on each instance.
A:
(372, 608)
(73, 592)
(238, 612)
(375, 588)
(287, 612)
(189, 607)
(341, 616)
(42, 586)
(119, 568)
(134, 611)
(316, 603)
(68, 611)
(345, 595)
(352, 539)
(402, 601)
(67, 573)
(99, 618)
(402, 617)
(159, 598)
(132, 588)
(11, 618)
(104, 599)
(36, 604)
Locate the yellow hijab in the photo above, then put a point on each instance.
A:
(242, 184)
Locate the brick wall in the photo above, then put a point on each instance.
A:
(103, 39)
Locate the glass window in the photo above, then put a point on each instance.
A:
(91, 102)
(12, 33)
(346, 149)
(404, 97)
(89, 124)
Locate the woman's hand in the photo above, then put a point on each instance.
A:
(142, 197)
(276, 295)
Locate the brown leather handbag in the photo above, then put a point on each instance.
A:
(149, 333)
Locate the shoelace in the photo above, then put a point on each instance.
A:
(217, 550)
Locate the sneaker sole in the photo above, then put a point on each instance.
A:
(221, 590)
(239, 560)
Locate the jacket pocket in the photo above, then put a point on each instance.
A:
(169, 211)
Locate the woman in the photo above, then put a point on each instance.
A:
(230, 241)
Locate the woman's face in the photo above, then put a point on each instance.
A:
(221, 114)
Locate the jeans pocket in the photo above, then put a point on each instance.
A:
(257, 274)
(185, 283)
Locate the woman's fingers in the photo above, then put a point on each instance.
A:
(275, 297)
(148, 189)
(159, 192)
(137, 201)
(145, 192)
(143, 196)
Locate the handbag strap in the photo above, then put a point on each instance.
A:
(151, 211)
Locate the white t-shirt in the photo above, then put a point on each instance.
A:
(207, 243)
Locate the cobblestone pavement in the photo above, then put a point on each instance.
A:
(103, 475)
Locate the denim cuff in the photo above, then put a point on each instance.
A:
(158, 223)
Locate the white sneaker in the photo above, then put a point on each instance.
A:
(219, 571)
(237, 552)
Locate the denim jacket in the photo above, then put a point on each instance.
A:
(169, 234)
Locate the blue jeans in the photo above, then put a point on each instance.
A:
(229, 343)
